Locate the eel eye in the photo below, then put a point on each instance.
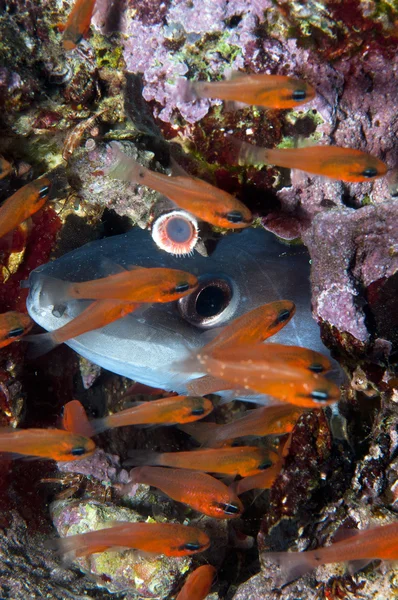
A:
(208, 304)
(182, 287)
(299, 95)
(235, 216)
(78, 451)
(15, 332)
(369, 172)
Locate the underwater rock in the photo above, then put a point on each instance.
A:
(30, 570)
(127, 570)
(354, 258)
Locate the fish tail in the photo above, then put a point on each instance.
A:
(187, 91)
(249, 154)
(292, 564)
(142, 457)
(203, 435)
(122, 166)
(40, 344)
(99, 426)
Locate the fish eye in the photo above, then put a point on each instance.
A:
(211, 303)
(196, 412)
(182, 287)
(316, 368)
(265, 465)
(235, 216)
(299, 95)
(78, 451)
(44, 191)
(369, 172)
(15, 332)
(229, 509)
(192, 546)
(283, 316)
(319, 395)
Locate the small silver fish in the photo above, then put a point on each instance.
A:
(245, 270)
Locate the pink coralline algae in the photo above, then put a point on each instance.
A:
(164, 52)
(354, 271)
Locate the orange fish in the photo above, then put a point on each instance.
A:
(97, 315)
(78, 23)
(158, 538)
(288, 383)
(56, 444)
(365, 546)
(13, 325)
(198, 197)
(75, 419)
(23, 204)
(345, 164)
(255, 326)
(198, 584)
(241, 460)
(268, 420)
(5, 167)
(296, 357)
(271, 91)
(166, 411)
(139, 284)
(198, 490)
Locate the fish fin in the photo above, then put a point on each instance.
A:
(110, 267)
(142, 457)
(292, 565)
(357, 565)
(233, 105)
(39, 344)
(186, 90)
(54, 291)
(343, 534)
(177, 170)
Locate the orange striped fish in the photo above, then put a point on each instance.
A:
(139, 284)
(255, 326)
(270, 91)
(75, 419)
(13, 325)
(56, 444)
(198, 584)
(365, 546)
(78, 23)
(242, 460)
(198, 197)
(99, 314)
(158, 538)
(23, 204)
(275, 419)
(166, 411)
(198, 490)
(345, 164)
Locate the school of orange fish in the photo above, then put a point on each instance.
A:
(237, 359)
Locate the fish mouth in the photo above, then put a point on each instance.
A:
(212, 303)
